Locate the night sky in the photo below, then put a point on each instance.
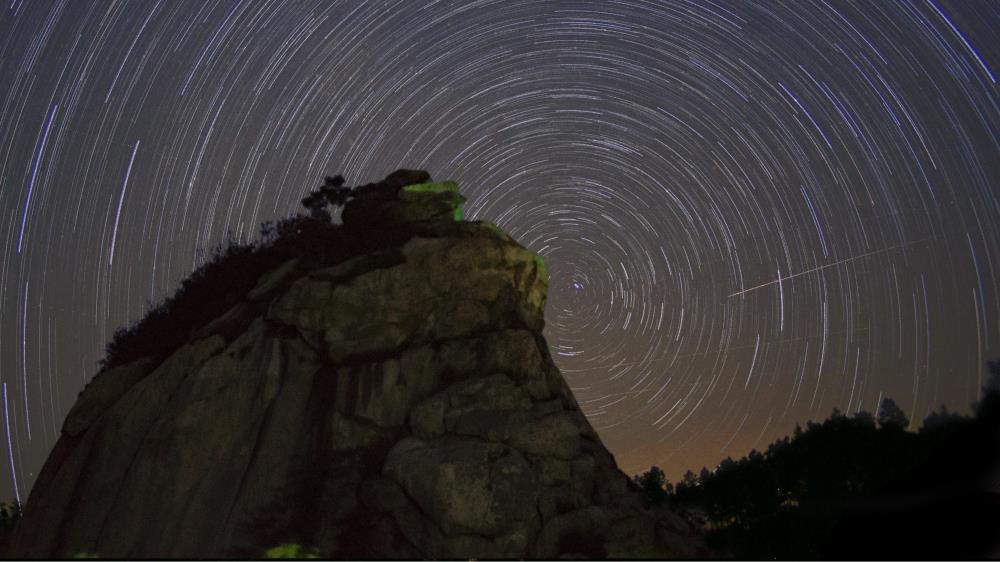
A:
(751, 212)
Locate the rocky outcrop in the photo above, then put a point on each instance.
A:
(401, 403)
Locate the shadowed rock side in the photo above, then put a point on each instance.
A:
(402, 403)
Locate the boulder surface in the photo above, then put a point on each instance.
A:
(399, 404)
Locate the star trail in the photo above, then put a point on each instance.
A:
(752, 212)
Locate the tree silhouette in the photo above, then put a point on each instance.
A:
(940, 418)
(653, 483)
(331, 193)
(689, 479)
(889, 414)
(727, 464)
(989, 405)
(864, 417)
(992, 385)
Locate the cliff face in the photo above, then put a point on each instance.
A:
(402, 403)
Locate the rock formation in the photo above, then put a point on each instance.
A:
(401, 403)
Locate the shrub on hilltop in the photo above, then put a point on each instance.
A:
(233, 269)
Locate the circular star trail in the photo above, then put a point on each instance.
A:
(752, 212)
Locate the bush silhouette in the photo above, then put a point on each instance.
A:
(332, 192)
(233, 269)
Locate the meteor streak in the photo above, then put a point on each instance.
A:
(822, 267)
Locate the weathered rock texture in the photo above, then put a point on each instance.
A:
(400, 404)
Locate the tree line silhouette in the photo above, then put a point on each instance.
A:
(854, 487)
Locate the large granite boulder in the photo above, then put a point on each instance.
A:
(400, 404)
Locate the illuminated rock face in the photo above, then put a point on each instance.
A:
(406, 197)
(402, 403)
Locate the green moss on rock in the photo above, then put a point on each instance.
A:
(291, 550)
(432, 187)
(540, 264)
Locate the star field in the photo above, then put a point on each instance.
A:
(752, 212)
